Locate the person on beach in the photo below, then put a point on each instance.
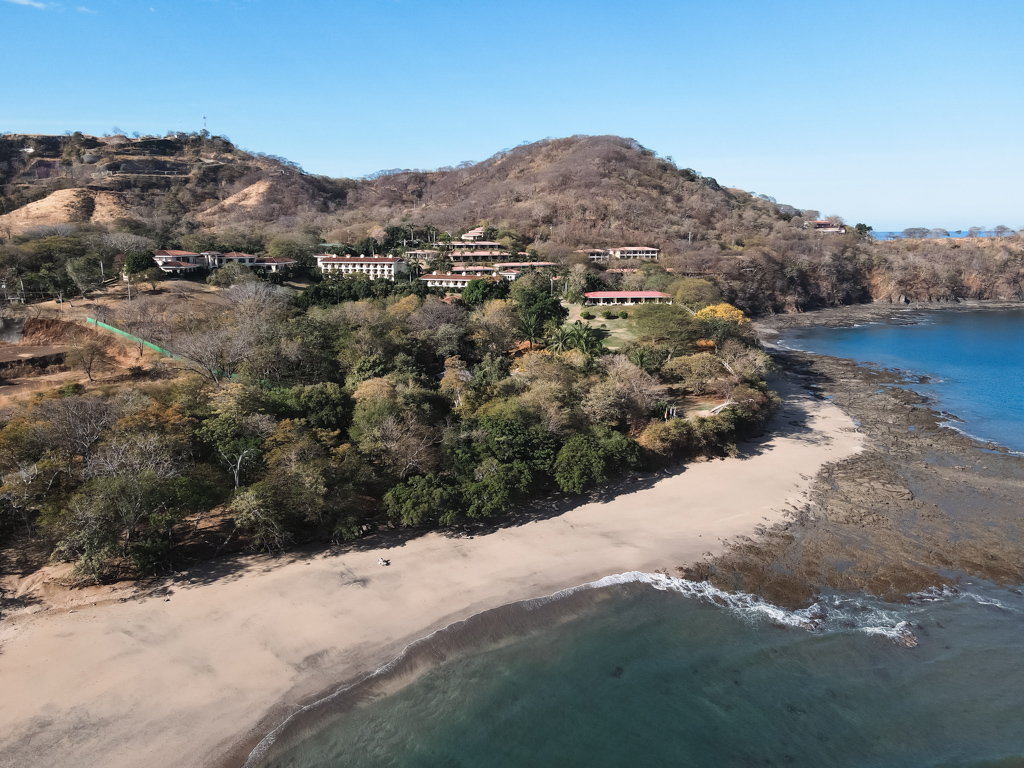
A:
(380, 561)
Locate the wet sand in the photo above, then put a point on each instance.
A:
(195, 671)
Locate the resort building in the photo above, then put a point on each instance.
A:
(234, 258)
(459, 269)
(178, 262)
(595, 254)
(509, 274)
(450, 281)
(473, 234)
(384, 267)
(633, 252)
(602, 298)
(524, 264)
(824, 226)
(274, 263)
(488, 246)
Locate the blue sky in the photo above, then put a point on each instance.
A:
(899, 113)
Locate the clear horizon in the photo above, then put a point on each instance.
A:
(895, 116)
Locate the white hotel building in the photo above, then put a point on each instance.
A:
(383, 267)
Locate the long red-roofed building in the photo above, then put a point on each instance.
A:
(602, 298)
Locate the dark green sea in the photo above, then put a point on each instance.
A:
(663, 672)
(646, 670)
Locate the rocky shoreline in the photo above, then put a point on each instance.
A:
(922, 505)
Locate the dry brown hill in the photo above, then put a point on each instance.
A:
(163, 182)
(582, 190)
(558, 194)
(66, 205)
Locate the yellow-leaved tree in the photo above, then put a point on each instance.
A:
(723, 311)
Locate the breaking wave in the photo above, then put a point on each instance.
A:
(829, 614)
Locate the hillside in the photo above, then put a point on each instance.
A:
(169, 184)
(200, 192)
(583, 190)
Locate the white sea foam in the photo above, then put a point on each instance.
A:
(831, 613)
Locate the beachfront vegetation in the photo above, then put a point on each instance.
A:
(285, 421)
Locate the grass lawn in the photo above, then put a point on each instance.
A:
(620, 332)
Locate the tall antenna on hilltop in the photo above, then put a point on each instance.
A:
(204, 122)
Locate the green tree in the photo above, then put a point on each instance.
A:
(85, 272)
(238, 440)
(480, 291)
(231, 274)
(420, 499)
(666, 324)
(696, 293)
(137, 263)
(580, 464)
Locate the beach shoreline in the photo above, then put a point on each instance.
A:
(924, 505)
(196, 672)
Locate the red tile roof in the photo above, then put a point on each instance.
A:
(175, 253)
(627, 295)
(275, 260)
(507, 264)
(481, 254)
(178, 265)
(237, 255)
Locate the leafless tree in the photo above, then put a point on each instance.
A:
(88, 353)
(139, 318)
(124, 242)
(135, 454)
(408, 444)
(215, 353)
(74, 425)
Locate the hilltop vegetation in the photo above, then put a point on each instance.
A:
(199, 192)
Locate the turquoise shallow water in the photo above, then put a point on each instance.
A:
(660, 677)
(975, 361)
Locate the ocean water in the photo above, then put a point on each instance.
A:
(647, 670)
(973, 361)
(662, 672)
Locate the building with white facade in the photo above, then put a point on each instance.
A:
(451, 281)
(178, 262)
(634, 252)
(384, 267)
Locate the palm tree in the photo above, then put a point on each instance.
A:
(531, 328)
(640, 357)
(560, 339)
(583, 337)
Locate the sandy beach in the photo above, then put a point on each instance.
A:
(195, 673)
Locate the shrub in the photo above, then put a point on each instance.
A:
(696, 372)
(606, 314)
(668, 438)
(623, 314)
(587, 315)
